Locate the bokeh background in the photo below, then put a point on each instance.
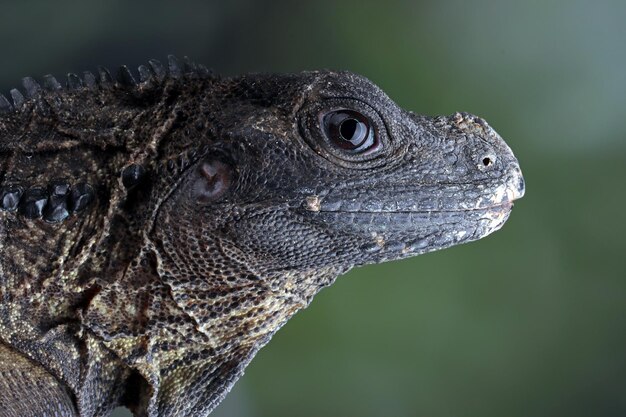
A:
(530, 321)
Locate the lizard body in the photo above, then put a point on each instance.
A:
(155, 234)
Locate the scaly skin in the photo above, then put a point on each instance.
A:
(155, 234)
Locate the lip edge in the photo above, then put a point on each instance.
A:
(313, 207)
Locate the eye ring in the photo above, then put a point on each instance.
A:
(367, 154)
(350, 131)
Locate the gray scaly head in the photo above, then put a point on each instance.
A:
(220, 207)
(307, 176)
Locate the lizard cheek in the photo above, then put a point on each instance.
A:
(213, 179)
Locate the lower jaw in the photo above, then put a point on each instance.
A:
(402, 234)
(409, 220)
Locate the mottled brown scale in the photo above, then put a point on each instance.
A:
(187, 217)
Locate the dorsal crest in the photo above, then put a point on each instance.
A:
(153, 72)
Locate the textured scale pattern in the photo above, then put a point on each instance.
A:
(158, 227)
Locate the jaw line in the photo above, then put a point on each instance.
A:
(313, 206)
(379, 241)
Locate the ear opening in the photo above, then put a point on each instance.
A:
(213, 178)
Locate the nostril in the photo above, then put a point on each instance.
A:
(486, 161)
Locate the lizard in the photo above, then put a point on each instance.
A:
(157, 227)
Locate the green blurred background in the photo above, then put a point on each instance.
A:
(530, 321)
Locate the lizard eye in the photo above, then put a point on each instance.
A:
(350, 131)
(346, 131)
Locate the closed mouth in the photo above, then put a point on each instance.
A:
(406, 232)
(313, 204)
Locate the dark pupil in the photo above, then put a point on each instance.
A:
(349, 130)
